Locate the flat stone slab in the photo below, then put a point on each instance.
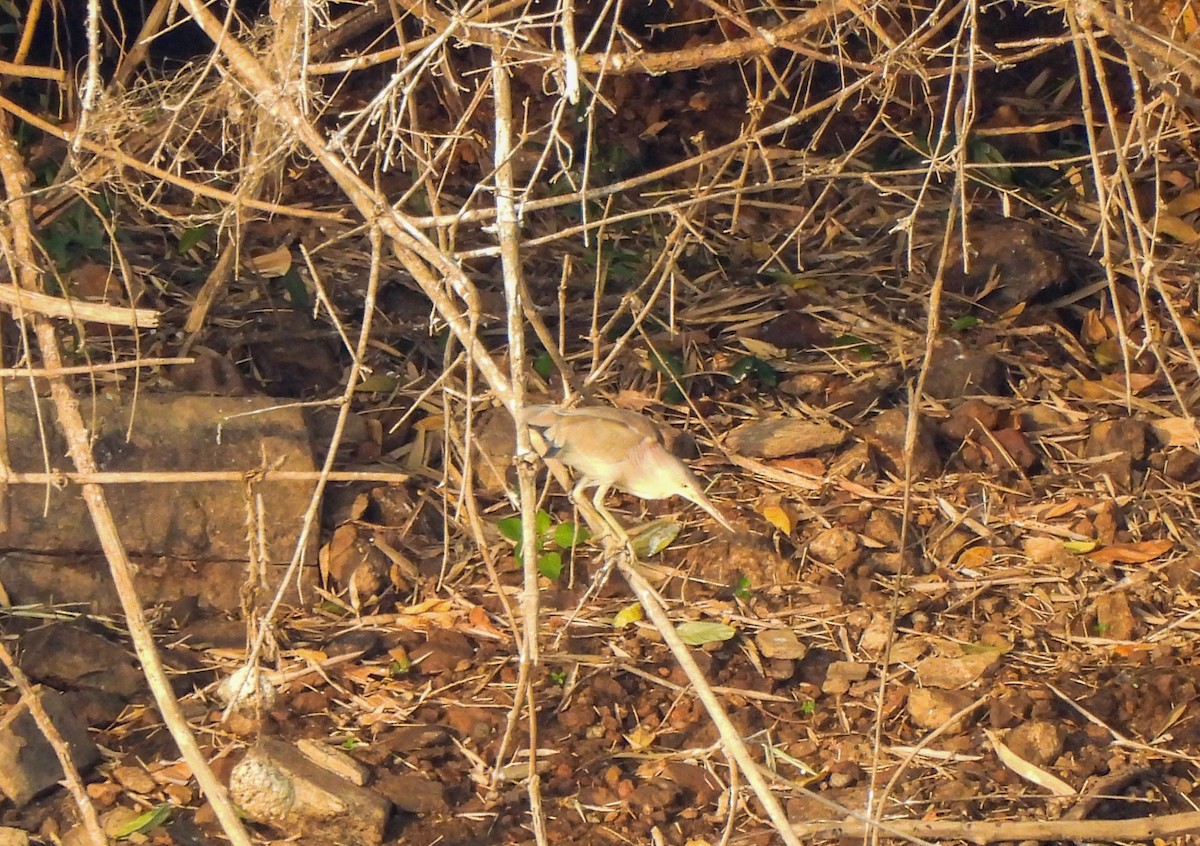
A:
(178, 531)
(164, 433)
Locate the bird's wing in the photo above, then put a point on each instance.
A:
(640, 423)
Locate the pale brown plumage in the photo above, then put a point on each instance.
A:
(612, 447)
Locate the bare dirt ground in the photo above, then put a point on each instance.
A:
(917, 286)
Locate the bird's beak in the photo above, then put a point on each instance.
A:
(703, 501)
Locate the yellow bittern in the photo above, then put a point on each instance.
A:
(612, 447)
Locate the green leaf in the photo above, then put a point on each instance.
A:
(752, 365)
(377, 383)
(983, 152)
(550, 565)
(743, 590)
(568, 535)
(667, 364)
(543, 365)
(655, 537)
(962, 324)
(152, 818)
(541, 524)
(193, 236)
(297, 291)
(699, 632)
(510, 527)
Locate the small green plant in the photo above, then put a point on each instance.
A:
(550, 538)
(808, 707)
(670, 366)
(77, 235)
(964, 323)
(543, 365)
(559, 677)
(752, 365)
(743, 590)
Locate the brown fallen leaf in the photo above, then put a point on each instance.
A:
(1131, 553)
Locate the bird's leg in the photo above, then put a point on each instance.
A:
(598, 501)
(613, 527)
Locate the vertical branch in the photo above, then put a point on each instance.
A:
(508, 232)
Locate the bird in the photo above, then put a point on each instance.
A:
(614, 447)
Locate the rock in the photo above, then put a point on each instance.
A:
(972, 419)
(13, 837)
(835, 546)
(1183, 466)
(780, 643)
(1114, 617)
(68, 656)
(956, 369)
(335, 760)
(27, 762)
(1121, 443)
(694, 780)
(842, 674)
(1039, 742)
(930, 709)
(1009, 449)
(170, 432)
(786, 436)
(495, 441)
(885, 435)
(413, 794)
(954, 672)
(445, 650)
(1010, 251)
(277, 786)
(134, 778)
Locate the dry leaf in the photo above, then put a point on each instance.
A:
(1168, 224)
(273, 264)
(778, 516)
(1131, 553)
(974, 557)
(1176, 431)
(1028, 771)
(1041, 550)
(1185, 203)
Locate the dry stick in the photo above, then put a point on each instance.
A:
(1095, 831)
(15, 177)
(933, 326)
(89, 369)
(21, 301)
(508, 230)
(91, 821)
(261, 169)
(176, 477)
(735, 747)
